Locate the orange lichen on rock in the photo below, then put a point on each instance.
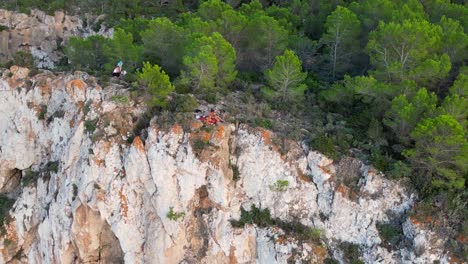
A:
(281, 240)
(232, 255)
(138, 144)
(301, 175)
(415, 221)
(266, 136)
(325, 169)
(319, 252)
(195, 125)
(76, 84)
(123, 204)
(219, 133)
(177, 129)
(462, 239)
(342, 189)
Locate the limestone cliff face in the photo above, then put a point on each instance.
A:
(40, 34)
(98, 197)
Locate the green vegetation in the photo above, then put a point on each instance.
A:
(199, 145)
(174, 216)
(235, 171)
(390, 234)
(262, 218)
(351, 253)
(385, 79)
(31, 176)
(279, 186)
(121, 99)
(90, 126)
(5, 205)
(157, 83)
(42, 113)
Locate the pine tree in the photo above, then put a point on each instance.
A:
(286, 79)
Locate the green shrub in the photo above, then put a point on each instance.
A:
(24, 59)
(261, 218)
(29, 177)
(87, 107)
(262, 122)
(235, 171)
(183, 103)
(330, 261)
(5, 205)
(390, 234)
(325, 145)
(199, 145)
(90, 126)
(52, 166)
(121, 99)
(351, 253)
(279, 186)
(42, 113)
(174, 216)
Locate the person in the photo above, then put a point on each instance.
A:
(213, 118)
(117, 71)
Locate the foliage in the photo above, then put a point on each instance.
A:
(351, 253)
(390, 233)
(199, 145)
(174, 216)
(90, 126)
(405, 113)
(440, 152)
(410, 50)
(209, 63)
(235, 171)
(121, 99)
(183, 103)
(156, 82)
(164, 44)
(43, 112)
(200, 69)
(343, 28)
(23, 59)
(5, 205)
(87, 54)
(122, 48)
(279, 186)
(286, 79)
(382, 80)
(262, 218)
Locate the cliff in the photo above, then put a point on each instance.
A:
(86, 192)
(41, 34)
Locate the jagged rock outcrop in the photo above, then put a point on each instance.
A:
(109, 198)
(40, 34)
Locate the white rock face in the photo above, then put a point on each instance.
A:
(40, 34)
(105, 191)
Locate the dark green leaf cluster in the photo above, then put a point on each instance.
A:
(262, 218)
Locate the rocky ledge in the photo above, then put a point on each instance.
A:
(86, 192)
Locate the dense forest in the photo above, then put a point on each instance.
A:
(382, 80)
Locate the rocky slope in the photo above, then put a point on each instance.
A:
(87, 193)
(40, 34)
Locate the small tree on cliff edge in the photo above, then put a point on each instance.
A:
(157, 82)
